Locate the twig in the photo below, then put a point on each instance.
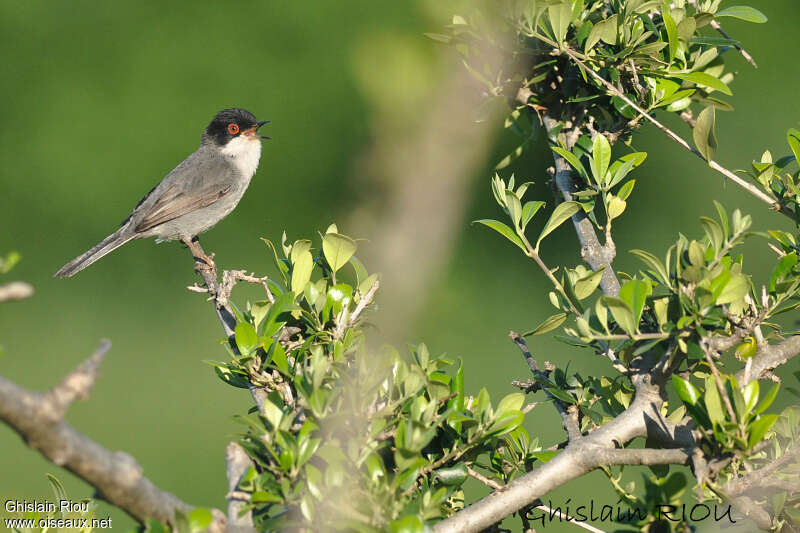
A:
(483, 479)
(569, 413)
(346, 322)
(714, 24)
(749, 187)
(39, 419)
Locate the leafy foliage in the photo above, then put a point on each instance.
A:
(350, 438)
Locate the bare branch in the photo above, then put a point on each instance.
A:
(204, 265)
(645, 456)
(118, 478)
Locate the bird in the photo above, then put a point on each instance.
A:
(197, 194)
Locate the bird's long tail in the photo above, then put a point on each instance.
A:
(107, 245)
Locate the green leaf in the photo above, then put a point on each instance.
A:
(283, 303)
(704, 137)
(672, 34)
(560, 18)
(549, 324)
(616, 206)
(301, 271)
(562, 395)
(57, 487)
(735, 290)
(544, 455)
(759, 428)
(793, 137)
(635, 293)
(503, 230)
(622, 314)
(199, 519)
(768, 398)
(338, 249)
(704, 80)
(654, 263)
(279, 357)
(713, 402)
(686, 391)
(601, 157)
(453, 476)
(561, 213)
(246, 337)
(529, 210)
(572, 159)
(750, 393)
(505, 422)
(746, 13)
(407, 524)
(605, 30)
(626, 189)
(514, 207)
(585, 286)
(511, 402)
(782, 269)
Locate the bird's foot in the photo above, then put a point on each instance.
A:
(201, 260)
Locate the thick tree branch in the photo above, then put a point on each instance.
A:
(768, 358)
(236, 465)
(577, 459)
(118, 478)
(569, 413)
(596, 255)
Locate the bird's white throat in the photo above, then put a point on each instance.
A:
(245, 153)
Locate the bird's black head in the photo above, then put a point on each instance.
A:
(231, 123)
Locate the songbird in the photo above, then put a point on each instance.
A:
(197, 194)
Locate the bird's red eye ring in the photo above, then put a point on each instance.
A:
(233, 128)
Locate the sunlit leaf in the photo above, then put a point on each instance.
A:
(746, 13)
(503, 230)
(338, 249)
(549, 324)
(705, 138)
(686, 391)
(562, 212)
(621, 313)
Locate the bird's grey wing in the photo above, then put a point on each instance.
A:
(196, 183)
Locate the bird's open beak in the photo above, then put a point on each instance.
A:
(258, 125)
(251, 132)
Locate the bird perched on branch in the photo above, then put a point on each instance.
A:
(197, 194)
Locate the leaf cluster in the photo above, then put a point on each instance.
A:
(350, 438)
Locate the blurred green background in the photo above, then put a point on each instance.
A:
(101, 99)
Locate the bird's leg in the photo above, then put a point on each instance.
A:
(199, 255)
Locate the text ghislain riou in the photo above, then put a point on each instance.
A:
(63, 506)
(622, 514)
